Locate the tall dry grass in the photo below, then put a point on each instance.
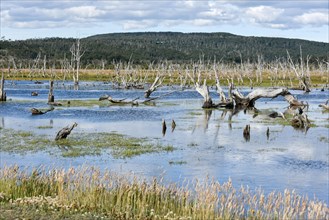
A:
(108, 194)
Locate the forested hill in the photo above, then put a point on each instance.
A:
(145, 47)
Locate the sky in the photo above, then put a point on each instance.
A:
(25, 19)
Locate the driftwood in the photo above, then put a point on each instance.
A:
(3, 96)
(325, 106)
(134, 101)
(36, 111)
(64, 132)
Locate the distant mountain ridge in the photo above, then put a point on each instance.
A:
(146, 47)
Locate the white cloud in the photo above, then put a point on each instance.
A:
(313, 18)
(85, 11)
(132, 25)
(263, 14)
(145, 15)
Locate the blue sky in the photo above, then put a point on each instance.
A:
(23, 19)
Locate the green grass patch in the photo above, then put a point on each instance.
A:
(45, 127)
(80, 144)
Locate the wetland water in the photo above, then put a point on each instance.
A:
(206, 143)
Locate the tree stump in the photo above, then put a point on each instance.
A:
(3, 96)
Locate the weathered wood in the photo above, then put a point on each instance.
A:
(36, 111)
(3, 95)
(157, 82)
(51, 97)
(300, 121)
(249, 100)
(325, 106)
(64, 132)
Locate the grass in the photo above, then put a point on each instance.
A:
(80, 144)
(45, 127)
(86, 192)
(318, 78)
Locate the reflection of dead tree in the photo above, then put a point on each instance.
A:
(246, 133)
(64, 132)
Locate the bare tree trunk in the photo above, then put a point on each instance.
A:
(76, 55)
(157, 82)
(3, 96)
(51, 97)
(303, 79)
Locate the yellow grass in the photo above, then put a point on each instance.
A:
(89, 191)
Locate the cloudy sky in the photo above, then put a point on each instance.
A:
(23, 19)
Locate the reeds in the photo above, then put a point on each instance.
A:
(111, 195)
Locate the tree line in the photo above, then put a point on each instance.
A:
(145, 47)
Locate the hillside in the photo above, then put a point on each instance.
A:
(145, 47)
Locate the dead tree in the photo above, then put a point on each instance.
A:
(51, 97)
(203, 90)
(76, 56)
(64, 132)
(157, 82)
(303, 78)
(3, 96)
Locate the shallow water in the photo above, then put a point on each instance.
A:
(207, 143)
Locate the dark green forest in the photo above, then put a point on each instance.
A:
(145, 47)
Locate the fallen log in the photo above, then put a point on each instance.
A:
(36, 111)
(64, 132)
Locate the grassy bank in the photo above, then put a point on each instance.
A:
(86, 192)
(240, 77)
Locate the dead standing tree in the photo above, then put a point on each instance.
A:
(77, 53)
(157, 82)
(300, 73)
(3, 96)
